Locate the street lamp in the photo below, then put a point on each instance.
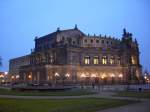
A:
(83, 76)
(29, 76)
(120, 78)
(12, 77)
(93, 75)
(67, 75)
(103, 77)
(17, 76)
(112, 78)
(145, 78)
(148, 81)
(96, 81)
(5, 73)
(1, 76)
(56, 77)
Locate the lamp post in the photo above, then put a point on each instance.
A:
(1, 78)
(112, 78)
(146, 79)
(120, 78)
(30, 78)
(64, 77)
(103, 79)
(12, 79)
(83, 76)
(56, 77)
(17, 78)
(67, 75)
(95, 81)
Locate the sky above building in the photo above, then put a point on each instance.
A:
(22, 20)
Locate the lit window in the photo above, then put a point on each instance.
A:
(112, 60)
(104, 60)
(86, 60)
(132, 60)
(95, 60)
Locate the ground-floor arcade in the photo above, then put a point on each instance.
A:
(70, 74)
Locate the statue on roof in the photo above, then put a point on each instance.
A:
(124, 31)
(58, 29)
(36, 37)
(76, 27)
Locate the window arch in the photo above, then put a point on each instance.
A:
(104, 60)
(87, 60)
(112, 60)
(95, 60)
(133, 59)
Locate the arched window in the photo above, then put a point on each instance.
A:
(104, 60)
(112, 61)
(95, 60)
(133, 59)
(87, 60)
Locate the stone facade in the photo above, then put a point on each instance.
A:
(70, 56)
(15, 64)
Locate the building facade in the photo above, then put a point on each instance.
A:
(70, 56)
(15, 64)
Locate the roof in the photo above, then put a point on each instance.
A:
(67, 33)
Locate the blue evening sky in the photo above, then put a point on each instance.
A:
(22, 20)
